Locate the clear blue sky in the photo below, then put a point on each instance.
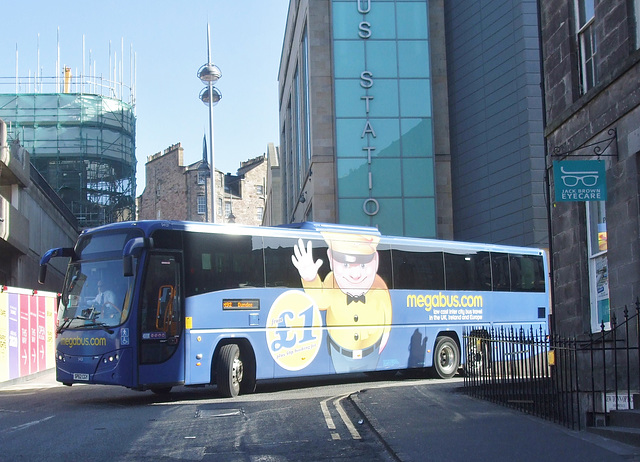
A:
(169, 39)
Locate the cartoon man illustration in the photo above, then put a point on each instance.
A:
(355, 298)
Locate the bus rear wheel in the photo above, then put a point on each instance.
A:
(446, 357)
(229, 371)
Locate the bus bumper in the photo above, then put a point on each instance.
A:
(112, 368)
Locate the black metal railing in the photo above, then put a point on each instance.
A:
(568, 380)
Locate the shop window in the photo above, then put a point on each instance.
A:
(598, 265)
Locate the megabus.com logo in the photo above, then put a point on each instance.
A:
(441, 300)
(83, 341)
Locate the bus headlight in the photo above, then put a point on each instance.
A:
(110, 359)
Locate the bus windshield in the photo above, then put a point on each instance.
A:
(94, 295)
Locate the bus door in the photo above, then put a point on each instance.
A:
(161, 321)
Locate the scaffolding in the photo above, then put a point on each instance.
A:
(82, 143)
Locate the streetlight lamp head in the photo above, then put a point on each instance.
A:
(204, 96)
(209, 73)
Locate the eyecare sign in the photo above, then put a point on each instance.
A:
(580, 180)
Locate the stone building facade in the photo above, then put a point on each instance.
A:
(274, 214)
(245, 193)
(174, 191)
(592, 106)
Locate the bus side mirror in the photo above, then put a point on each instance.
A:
(133, 247)
(127, 265)
(42, 274)
(49, 254)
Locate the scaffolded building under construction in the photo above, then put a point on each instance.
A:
(82, 142)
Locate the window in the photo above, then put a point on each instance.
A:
(500, 272)
(527, 273)
(297, 134)
(227, 209)
(470, 271)
(418, 269)
(279, 268)
(598, 265)
(636, 13)
(220, 261)
(305, 90)
(202, 176)
(219, 206)
(202, 205)
(260, 213)
(288, 167)
(586, 43)
(260, 190)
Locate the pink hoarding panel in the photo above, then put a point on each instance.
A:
(27, 332)
(41, 361)
(14, 337)
(23, 309)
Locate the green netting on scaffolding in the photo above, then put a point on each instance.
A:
(83, 145)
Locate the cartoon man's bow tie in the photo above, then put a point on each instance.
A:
(355, 298)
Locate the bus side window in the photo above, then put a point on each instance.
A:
(222, 261)
(384, 265)
(501, 272)
(467, 271)
(418, 270)
(527, 273)
(280, 271)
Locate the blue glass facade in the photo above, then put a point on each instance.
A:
(383, 115)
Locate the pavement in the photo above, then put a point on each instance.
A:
(423, 421)
(429, 421)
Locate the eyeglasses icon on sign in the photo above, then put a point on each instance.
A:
(571, 179)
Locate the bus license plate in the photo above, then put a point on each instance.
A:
(77, 376)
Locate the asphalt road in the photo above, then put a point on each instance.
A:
(356, 419)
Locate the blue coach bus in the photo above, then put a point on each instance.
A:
(150, 305)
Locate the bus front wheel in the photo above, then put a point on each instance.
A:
(446, 357)
(229, 371)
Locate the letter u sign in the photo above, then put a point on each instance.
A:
(364, 6)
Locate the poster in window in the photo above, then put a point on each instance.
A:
(602, 290)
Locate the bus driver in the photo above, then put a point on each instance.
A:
(106, 300)
(355, 298)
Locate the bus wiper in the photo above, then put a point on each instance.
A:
(67, 321)
(64, 325)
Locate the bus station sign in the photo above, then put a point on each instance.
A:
(580, 180)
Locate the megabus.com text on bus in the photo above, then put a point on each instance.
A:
(441, 300)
